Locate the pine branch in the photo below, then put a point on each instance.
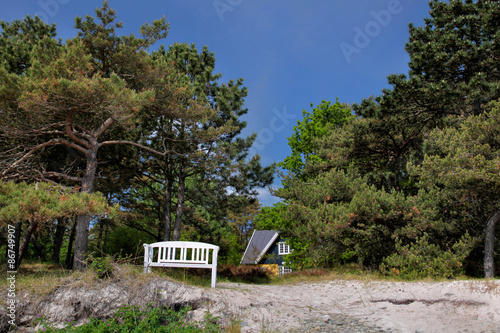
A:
(69, 132)
(40, 146)
(105, 125)
(138, 145)
(60, 175)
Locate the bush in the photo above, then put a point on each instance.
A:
(423, 259)
(245, 273)
(103, 267)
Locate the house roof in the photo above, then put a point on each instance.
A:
(260, 242)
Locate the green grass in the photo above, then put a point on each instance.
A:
(344, 272)
(134, 319)
(36, 278)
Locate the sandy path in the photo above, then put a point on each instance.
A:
(455, 306)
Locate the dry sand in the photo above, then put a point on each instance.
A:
(455, 306)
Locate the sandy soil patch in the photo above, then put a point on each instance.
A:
(454, 306)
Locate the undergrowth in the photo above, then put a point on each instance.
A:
(134, 319)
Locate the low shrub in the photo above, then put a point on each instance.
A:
(103, 267)
(243, 271)
(133, 319)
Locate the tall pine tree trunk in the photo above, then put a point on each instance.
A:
(58, 240)
(83, 221)
(38, 248)
(69, 254)
(180, 205)
(167, 208)
(23, 248)
(489, 245)
(81, 242)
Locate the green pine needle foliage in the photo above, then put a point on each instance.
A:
(423, 259)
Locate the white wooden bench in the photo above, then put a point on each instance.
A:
(181, 254)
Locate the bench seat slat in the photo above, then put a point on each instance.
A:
(181, 265)
(183, 261)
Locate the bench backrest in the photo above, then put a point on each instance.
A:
(181, 252)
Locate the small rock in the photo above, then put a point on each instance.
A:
(326, 318)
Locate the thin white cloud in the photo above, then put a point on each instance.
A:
(266, 198)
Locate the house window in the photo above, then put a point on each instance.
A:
(284, 270)
(283, 248)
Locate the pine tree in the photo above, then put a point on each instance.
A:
(18, 38)
(463, 164)
(203, 149)
(41, 203)
(68, 97)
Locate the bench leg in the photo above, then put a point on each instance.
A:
(148, 258)
(214, 276)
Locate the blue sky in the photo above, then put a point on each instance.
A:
(290, 53)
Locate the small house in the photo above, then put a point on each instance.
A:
(267, 249)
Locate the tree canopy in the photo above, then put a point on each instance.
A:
(175, 124)
(406, 182)
(416, 170)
